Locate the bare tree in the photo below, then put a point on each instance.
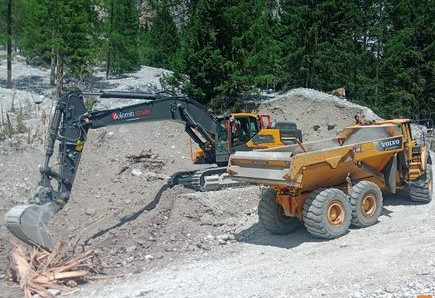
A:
(9, 45)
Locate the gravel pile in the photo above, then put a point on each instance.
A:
(317, 114)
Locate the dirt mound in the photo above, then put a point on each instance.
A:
(181, 223)
(121, 206)
(317, 114)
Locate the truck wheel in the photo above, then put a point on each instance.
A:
(327, 213)
(420, 190)
(271, 216)
(366, 203)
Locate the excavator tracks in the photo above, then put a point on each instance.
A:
(205, 180)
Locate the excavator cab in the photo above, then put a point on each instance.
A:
(245, 127)
(233, 133)
(247, 131)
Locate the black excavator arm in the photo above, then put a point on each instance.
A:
(69, 127)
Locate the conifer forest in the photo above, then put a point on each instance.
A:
(381, 51)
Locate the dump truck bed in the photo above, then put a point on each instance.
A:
(360, 152)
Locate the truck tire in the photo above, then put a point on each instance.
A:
(420, 190)
(366, 203)
(271, 216)
(327, 213)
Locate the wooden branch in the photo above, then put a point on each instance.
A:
(40, 270)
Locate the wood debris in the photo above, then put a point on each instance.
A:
(40, 271)
(147, 159)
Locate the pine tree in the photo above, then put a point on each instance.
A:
(9, 44)
(201, 54)
(62, 34)
(408, 65)
(6, 29)
(322, 43)
(372, 32)
(122, 30)
(229, 49)
(160, 39)
(254, 48)
(3, 13)
(299, 33)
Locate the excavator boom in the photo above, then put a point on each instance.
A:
(69, 127)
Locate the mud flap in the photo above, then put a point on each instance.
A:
(389, 172)
(29, 223)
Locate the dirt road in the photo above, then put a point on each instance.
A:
(394, 258)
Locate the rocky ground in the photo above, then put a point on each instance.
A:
(180, 243)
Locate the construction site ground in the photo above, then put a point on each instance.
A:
(181, 243)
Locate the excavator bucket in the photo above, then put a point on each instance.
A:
(29, 223)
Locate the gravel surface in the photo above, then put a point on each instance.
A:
(180, 243)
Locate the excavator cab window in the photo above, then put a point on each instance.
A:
(233, 132)
(240, 133)
(222, 141)
(246, 128)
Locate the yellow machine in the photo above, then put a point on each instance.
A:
(330, 184)
(247, 131)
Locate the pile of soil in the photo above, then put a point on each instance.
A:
(317, 114)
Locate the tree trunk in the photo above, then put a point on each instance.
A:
(9, 46)
(108, 40)
(59, 77)
(53, 63)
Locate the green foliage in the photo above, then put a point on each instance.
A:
(160, 41)
(3, 10)
(122, 30)
(6, 133)
(228, 50)
(381, 51)
(201, 54)
(90, 102)
(255, 48)
(80, 45)
(64, 31)
(408, 64)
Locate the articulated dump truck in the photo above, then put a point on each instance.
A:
(331, 184)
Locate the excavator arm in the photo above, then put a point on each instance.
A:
(69, 127)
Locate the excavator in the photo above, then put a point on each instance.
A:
(216, 136)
